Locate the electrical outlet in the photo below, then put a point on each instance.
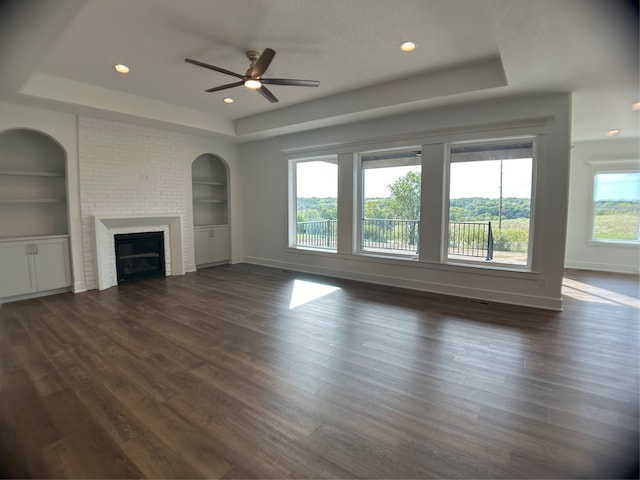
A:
(542, 282)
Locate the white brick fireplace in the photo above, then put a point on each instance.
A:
(133, 179)
(107, 226)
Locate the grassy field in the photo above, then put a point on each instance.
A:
(512, 237)
(616, 226)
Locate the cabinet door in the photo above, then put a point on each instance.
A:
(51, 260)
(202, 245)
(17, 275)
(220, 244)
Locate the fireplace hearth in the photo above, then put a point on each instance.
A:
(139, 256)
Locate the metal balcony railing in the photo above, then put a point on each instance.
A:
(468, 239)
(393, 236)
(471, 239)
(320, 234)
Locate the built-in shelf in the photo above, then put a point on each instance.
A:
(33, 189)
(208, 182)
(31, 200)
(25, 173)
(207, 227)
(209, 191)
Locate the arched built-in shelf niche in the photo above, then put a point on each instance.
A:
(33, 193)
(34, 219)
(210, 180)
(210, 192)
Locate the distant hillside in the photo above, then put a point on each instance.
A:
(462, 209)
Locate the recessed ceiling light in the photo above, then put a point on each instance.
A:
(635, 106)
(227, 100)
(407, 46)
(121, 68)
(613, 132)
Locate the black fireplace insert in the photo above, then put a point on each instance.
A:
(139, 256)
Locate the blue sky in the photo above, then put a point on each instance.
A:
(617, 186)
(469, 179)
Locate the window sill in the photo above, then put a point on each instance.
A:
(389, 256)
(312, 250)
(501, 267)
(614, 243)
(414, 262)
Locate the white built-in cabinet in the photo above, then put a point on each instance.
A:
(209, 179)
(34, 227)
(34, 265)
(211, 244)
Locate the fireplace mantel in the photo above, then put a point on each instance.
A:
(104, 223)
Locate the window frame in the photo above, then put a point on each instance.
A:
(444, 253)
(359, 203)
(603, 167)
(292, 202)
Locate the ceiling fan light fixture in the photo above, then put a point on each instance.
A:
(408, 46)
(252, 83)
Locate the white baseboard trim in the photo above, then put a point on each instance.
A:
(545, 303)
(237, 260)
(27, 296)
(599, 267)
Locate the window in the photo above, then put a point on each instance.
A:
(314, 204)
(616, 206)
(489, 206)
(390, 202)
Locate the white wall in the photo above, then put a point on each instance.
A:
(581, 251)
(116, 168)
(263, 169)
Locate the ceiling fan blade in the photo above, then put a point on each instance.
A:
(224, 87)
(212, 67)
(263, 63)
(266, 93)
(290, 81)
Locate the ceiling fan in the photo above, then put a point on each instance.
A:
(253, 77)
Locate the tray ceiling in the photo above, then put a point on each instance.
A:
(61, 54)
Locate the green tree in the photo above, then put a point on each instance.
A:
(376, 208)
(314, 209)
(404, 203)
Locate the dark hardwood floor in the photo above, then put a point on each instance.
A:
(214, 375)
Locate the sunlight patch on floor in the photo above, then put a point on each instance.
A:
(589, 293)
(305, 292)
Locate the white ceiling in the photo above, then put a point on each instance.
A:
(60, 54)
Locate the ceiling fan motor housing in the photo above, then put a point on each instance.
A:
(253, 77)
(253, 56)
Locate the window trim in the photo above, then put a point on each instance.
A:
(292, 201)
(444, 241)
(603, 166)
(358, 207)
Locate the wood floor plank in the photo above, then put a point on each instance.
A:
(94, 454)
(150, 455)
(217, 374)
